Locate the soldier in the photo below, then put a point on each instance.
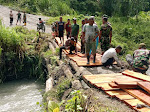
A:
(105, 34)
(90, 32)
(140, 59)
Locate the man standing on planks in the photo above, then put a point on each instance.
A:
(82, 39)
(105, 34)
(61, 27)
(90, 32)
(140, 59)
(68, 28)
(110, 56)
(75, 30)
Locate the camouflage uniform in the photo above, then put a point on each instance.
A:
(105, 40)
(141, 60)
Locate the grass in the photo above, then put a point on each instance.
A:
(18, 59)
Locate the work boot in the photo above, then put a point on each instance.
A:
(88, 59)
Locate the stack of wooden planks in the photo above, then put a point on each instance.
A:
(129, 87)
(79, 58)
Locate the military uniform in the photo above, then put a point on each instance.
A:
(105, 39)
(141, 59)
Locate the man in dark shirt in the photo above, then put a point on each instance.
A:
(68, 28)
(70, 44)
(18, 17)
(61, 27)
(82, 39)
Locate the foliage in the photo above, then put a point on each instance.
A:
(76, 103)
(53, 106)
(62, 87)
(15, 61)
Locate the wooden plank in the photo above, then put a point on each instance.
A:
(133, 102)
(139, 94)
(115, 93)
(105, 87)
(145, 86)
(124, 97)
(113, 85)
(144, 109)
(136, 75)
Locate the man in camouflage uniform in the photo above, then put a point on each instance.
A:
(140, 60)
(105, 34)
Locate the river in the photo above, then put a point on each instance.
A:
(21, 96)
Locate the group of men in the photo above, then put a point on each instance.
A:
(91, 36)
(18, 18)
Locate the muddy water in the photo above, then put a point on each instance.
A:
(21, 96)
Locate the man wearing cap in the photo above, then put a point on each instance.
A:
(90, 32)
(61, 27)
(69, 44)
(105, 34)
(75, 30)
(140, 59)
(68, 28)
(110, 56)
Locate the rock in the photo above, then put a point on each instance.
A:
(66, 94)
(84, 85)
(76, 85)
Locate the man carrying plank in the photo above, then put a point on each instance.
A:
(110, 56)
(90, 32)
(69, 44)
(140, 59)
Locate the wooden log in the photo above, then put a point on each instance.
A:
(139, 94)
(133, 102)
(51, 47)
(145, 86)
(113, 85)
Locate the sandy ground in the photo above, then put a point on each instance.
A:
(32, 20)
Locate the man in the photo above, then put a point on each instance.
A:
(90, 32)
(105, 35)
(24, 18)
(110, 56)
(18, 17)
(82, 39)
(11, 18)
(70, 44)
(61, 27)
(86, 20)
(68, 28)
(140, 60)
(75, 30)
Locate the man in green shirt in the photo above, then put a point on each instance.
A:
(18, 17)
(75, 30)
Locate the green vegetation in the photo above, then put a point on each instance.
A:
(17, 59)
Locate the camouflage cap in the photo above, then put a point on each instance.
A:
(104, 16)
(142, 45)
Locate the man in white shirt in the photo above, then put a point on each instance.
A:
(110, 56)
